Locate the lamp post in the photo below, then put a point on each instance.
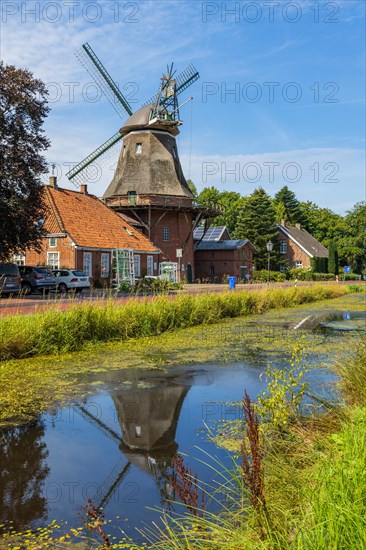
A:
(269, 250)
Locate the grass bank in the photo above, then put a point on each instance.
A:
(55, 331)
(313, 488)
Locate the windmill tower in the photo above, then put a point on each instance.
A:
(149, 183)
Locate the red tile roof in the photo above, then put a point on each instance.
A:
(89, 222)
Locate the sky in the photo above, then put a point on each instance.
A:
(280, 99)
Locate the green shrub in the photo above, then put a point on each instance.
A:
(350, 276)
(261, 276)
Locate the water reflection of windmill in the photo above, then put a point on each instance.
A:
(147, 414)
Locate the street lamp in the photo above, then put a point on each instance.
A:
(269, 250)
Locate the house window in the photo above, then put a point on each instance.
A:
(212, 270)
(283, 247)
(52, 242)
(104, 265)
(166, 234)
(138, 148)
(53, 260)
(87, 264)
(19, 259)
(150, 265)
(137, 264)
(132, 197)
(298, 263)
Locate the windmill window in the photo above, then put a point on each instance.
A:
(166, 234)
(138, 148)
(283, 247)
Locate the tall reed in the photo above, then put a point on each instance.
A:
(55, 331)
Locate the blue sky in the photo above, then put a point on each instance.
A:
(295, 115)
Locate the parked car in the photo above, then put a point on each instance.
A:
(10, 282)
(36, 279)
(71, 279)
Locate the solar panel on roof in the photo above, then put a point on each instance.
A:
(198, 232)
(212, 233)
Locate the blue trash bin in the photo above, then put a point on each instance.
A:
(231, 281)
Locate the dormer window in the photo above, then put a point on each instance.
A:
(138, 148)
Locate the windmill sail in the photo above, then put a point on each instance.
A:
(79, 174)
(100, 75)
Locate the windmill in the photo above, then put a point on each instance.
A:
(148, 184)
(163, 106)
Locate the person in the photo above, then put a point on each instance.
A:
(337, 279)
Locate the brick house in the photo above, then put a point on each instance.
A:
(82, 233)
(298, 246)
(216, 259)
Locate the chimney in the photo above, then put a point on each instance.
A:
(84, 188)
(298, 225)
(53, 182)
(283, 222)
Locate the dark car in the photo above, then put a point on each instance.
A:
(9, 279)
(36, 279)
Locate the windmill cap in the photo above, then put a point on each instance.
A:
(140, 121)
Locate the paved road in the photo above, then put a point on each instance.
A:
(29, 305)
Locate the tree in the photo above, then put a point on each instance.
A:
(192, 188)
(231, 202)
(353, 243)
(333, 266)
(289, 208)
(257, 222)
(23, 108)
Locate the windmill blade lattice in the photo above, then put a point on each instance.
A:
(100, 75)
(81, 172)
(183, 81)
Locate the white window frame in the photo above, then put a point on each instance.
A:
(138, 148)
(166, 234)
(51, 262)
(88, 264)
(50, 242)
(298, 264)
(283, 247)
(104, 265)
(19, 259)
(150, 265)
(137, 264)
